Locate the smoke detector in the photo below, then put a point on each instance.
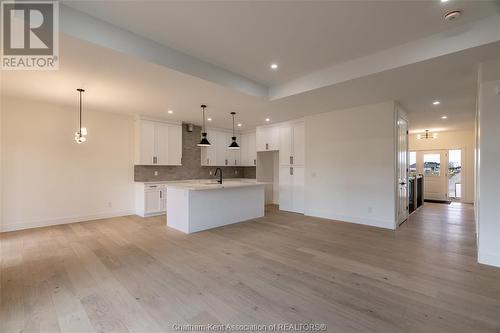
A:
(453, 15)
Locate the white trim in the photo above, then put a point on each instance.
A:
(63, 220)
(488, 259)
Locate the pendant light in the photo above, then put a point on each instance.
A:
(82, 131)
(204, 141)
(233, 144)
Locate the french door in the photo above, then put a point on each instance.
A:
(433, 164)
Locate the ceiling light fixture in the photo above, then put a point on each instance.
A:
(239, 125)
(170, 111)
(82, 131)
(444, 0)
(204, 141)
(233, 144)
(453, 15)
(436, 103)
(274, 67)
(209, 119)
(427, 135)
(444, 117)
(268, 120)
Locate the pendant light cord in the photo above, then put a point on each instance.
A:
(80, 113)
(233, 124)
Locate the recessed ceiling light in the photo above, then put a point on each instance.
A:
(209, 119)
(268, 120)
(239, 125)
(444, 0)
(170, 111)
(436, 103)
(274, 67)
(444, 117)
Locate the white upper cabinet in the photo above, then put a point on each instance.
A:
(268, 138)
(248, 149)
(158, 143)
(292, 143)
(219, 154)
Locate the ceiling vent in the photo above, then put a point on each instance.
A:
(453, 15)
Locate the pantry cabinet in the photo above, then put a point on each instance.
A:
(268, 138)
(291, 188)
(248, 150)
(292, 139)
(158, 143)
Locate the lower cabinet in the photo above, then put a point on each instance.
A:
(151, 199)
(291, 189)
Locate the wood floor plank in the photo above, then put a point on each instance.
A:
(131, 274)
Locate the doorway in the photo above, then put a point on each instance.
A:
(402, 170)
(433, 165)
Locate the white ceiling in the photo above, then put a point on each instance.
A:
(117, 82)
(302, 36)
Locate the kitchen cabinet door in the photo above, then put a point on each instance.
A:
(273, 138)
(174, 144)
(285, 188)
(152, 202)
(286, 139)
(209, 154)
(233, 155)
(161, 143)
(221, 143)
(298, 143)
(146, 137)
(297, 189)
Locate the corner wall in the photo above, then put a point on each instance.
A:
(350, 165)
(49, 179)
(488, 179)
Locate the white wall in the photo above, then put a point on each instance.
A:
(464, 140)
(350, 165)
(49, 179)
(488, 181)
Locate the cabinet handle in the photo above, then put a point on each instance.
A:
(155, 159)
(226, 162)
(267, 146)
(291, 171)
(254, 162)
(161, 194)
(235, 162)
(208, 161)
(291, 159)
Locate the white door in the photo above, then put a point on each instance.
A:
(402, 169)
(434, 166)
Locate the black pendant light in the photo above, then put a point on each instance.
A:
(82, 131)
(233, 144)
(204, 141)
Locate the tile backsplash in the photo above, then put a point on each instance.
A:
(191, 164)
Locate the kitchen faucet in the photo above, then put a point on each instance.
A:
(220, 175)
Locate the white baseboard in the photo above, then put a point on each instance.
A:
(379, 223)
(488, 259)
(63, 220)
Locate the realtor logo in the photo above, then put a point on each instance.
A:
(30, 35)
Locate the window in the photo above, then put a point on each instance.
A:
(432, 165)
(413, 162)
(454, 174)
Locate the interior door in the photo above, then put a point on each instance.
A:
(402, 169)
(434, 166)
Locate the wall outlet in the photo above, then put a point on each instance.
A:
(156, 173)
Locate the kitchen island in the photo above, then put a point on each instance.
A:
(197, 206)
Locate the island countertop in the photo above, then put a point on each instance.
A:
(214, 185)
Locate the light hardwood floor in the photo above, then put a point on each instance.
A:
(135, 275)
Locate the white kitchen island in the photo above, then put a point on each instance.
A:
(193, 206)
